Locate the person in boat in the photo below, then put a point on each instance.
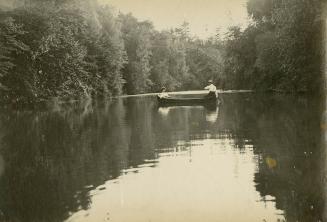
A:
(163, 93)
(212, 90)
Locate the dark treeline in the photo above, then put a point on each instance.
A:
(72, 49)
(280, 50)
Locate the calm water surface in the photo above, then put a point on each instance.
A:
(253, 158)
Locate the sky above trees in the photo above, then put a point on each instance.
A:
(204, 16)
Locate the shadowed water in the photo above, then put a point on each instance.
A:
(253, 158)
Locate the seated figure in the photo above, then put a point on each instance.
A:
(212, 90)
(163, 93)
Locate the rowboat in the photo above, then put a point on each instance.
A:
(186, 101)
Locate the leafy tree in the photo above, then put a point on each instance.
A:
(50, 50)
(9, 47)
(13, 51)
(280, 50)
(106, 52)
(240, 58)
(204, 59)
(137, 36)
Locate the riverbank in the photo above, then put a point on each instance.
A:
(55, 101)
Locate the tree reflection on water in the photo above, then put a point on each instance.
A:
(51, 160)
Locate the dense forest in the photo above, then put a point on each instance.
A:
(280, 50)
(71, 49)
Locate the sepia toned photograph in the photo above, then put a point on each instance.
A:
(163, 111)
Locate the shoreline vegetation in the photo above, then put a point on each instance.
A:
(68, 49)
(56, 103)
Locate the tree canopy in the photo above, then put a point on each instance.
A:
(280, 50)
(72, 49)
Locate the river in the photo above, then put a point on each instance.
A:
(252, 158)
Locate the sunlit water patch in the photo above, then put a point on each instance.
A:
(202, 180)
